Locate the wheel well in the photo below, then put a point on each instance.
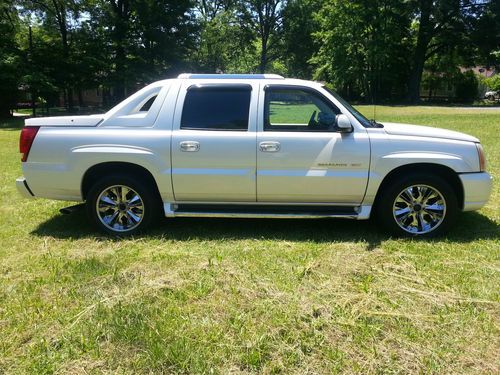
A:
(99, 170)
(428, 168)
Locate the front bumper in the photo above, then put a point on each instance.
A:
(23, 188)
(477, 189)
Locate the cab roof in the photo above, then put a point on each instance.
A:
(229, 76)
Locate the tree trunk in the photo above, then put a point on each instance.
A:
(63, 30)
(80, 98)
(419, 57)
(122, 14)
(263, 56)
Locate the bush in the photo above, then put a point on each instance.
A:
(493, 83)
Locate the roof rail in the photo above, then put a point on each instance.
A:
(229, 76)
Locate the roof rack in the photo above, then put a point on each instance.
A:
(229, 76)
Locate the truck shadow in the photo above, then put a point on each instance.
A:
(470, 226)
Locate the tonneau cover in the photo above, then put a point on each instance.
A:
(92, 120)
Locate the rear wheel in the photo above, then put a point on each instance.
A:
(122, 205)
(418, 205)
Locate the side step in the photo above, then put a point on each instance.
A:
(266, 211)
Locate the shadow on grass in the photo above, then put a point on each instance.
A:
(470, 226)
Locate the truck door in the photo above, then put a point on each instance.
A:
(301, 156)
(213, 142)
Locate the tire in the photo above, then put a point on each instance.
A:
(418, 205)
(123, 205)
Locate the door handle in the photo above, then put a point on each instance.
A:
(189, 146)
(269, 146)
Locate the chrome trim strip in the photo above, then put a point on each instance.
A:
(267, 215)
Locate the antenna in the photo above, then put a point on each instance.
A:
(373, 83)
(374, 88)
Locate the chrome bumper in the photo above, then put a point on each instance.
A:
(477, 189)
(23, 188)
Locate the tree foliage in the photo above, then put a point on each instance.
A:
(369, 50)
(10, 57)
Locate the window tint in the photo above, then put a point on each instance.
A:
(298, 110)
(216, 108)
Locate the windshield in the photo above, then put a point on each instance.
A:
(362, 119)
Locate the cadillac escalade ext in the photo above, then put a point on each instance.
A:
(251, 146)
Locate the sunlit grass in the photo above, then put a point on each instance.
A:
(249, 296)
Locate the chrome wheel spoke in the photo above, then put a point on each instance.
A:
(107, 208)
(133, 217)
(116, 192)
(402, 211)
(134, 200)
(407, 196)
(434, 207)
(124, 191)
(106, 200)
(111, 219)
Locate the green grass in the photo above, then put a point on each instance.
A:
(249, 296)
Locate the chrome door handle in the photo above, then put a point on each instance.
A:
(189, 146)
(269, 146)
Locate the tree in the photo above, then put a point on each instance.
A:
(146, 39)
(9, 57)
(299, 25)
(485, 35)
(363, 47)
(224, 42)
(61, 18)
(265, 18)
(440, 26)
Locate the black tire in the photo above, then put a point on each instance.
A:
(420, 222)
(125, 223)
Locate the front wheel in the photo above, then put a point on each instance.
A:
(121, 205)
(418, 205)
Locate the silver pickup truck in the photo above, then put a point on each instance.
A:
(251, 146)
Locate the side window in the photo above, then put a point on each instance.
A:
(221, 107)
(290, 109)
(147, 105)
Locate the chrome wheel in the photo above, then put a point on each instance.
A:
(419, 209)
(120, 208)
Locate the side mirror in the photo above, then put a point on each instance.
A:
(344, 124)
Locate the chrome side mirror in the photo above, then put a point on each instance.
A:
(344, 124)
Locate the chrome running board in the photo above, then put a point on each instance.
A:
(267, 211)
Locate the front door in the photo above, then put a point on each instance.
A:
(213, 143)
(302, 157)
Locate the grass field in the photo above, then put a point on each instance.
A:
(250, 296)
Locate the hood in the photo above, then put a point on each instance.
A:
(426, 131)
(92, 120)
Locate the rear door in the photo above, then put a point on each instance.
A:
(301, 155)
(213, 142)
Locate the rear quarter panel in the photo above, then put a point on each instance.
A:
(59, 157)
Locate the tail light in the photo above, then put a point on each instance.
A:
(482, 159)
(26, 140)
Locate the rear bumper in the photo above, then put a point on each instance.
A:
(477, 189)
(23, 188)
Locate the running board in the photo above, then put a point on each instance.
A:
(266, 211)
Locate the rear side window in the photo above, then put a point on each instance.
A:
(220, 107)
